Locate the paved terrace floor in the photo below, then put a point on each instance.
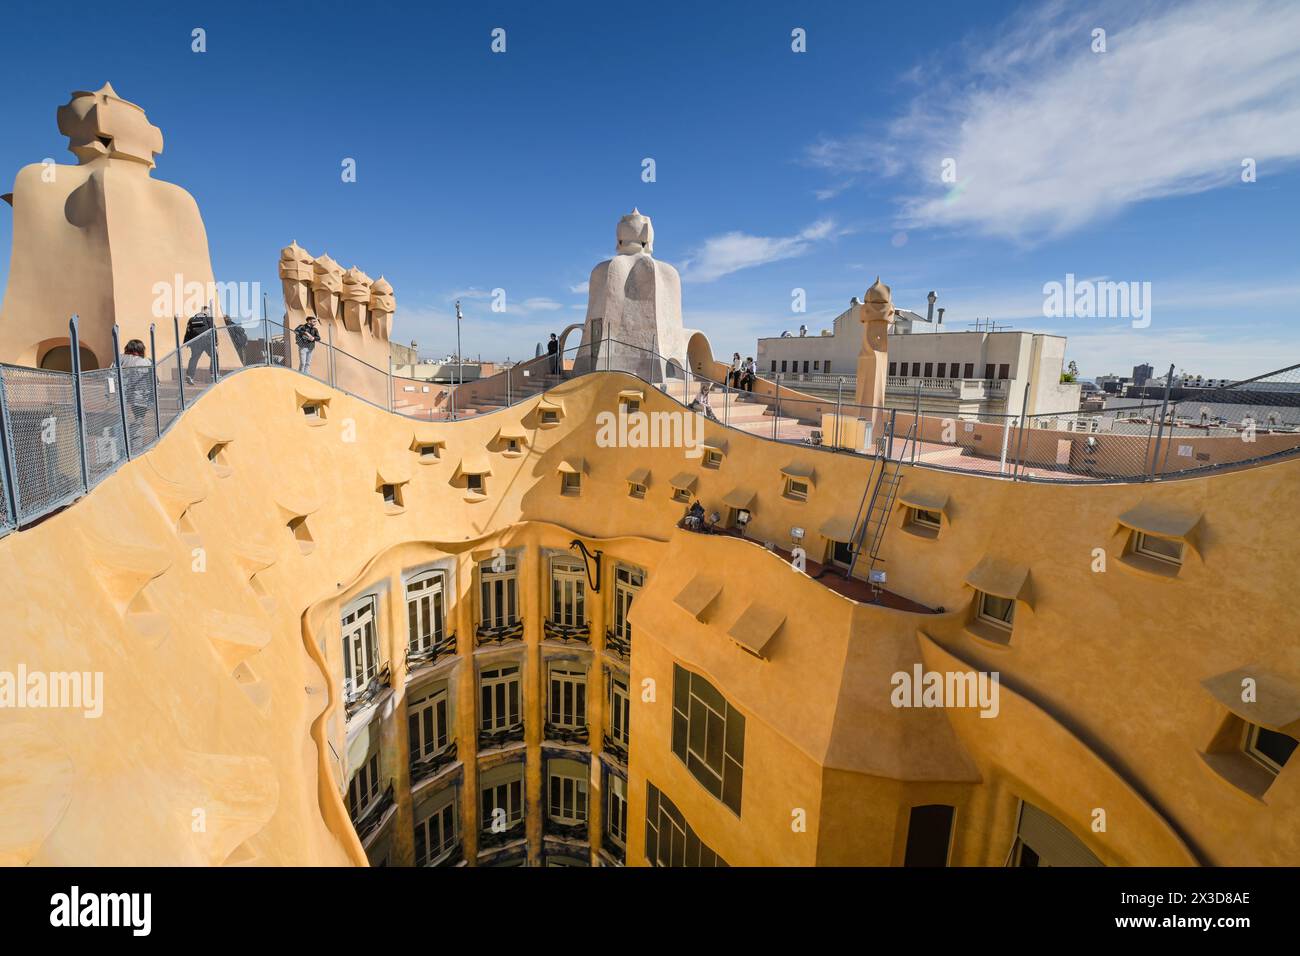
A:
(855, 589)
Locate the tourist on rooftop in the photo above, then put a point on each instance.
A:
(553, 350)
(307, 335)
(135, 379)
(733, 376)
(701, 402)
(198, 330)
(747, 374)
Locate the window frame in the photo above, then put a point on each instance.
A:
(567, 792)
(570, 713)
(1139, 547)
(618, 713)
(494, 714)
(425, 594)
(499, 607)
(697, 703)
(917, 516)
(568, 604)
(436, 703)
(984, 617)
(444, 811)
(616, 793)
(1250, 747)
(512, 789)
(362, 789)
(624, 587)
(360, 624)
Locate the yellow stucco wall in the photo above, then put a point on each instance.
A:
(217, 632)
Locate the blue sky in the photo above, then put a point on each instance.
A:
(775, 170)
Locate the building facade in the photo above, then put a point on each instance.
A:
(344, 637)
(962, 374)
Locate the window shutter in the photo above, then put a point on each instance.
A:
(1049, 838)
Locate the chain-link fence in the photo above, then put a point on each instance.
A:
(42, 441)
(64, 432)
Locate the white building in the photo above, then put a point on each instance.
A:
(956, 373)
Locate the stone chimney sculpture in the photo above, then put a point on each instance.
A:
(634, 307)
(355, 316)
(102, 240)
(876, 313)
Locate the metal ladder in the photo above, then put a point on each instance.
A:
(872, 520)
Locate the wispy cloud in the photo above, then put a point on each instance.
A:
(510, 305)
(722, 255)
(1048, 136)
(830, 192)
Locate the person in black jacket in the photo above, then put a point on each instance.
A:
(553, 350)
(307, 335)
(199, 331)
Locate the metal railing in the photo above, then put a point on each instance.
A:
(62, 433)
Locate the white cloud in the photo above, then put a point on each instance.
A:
(579, 288)
(535, 304)
(830, 192)
(1049, 136)
(733, 251)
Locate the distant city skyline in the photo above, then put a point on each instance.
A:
(812, 171)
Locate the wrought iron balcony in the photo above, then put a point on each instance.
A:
(443, 647)
(569, 831)
(619, 645)
(484, 634)
(615, 852)
(567, 735)
(489, 739)
(374, 815)
(429, 766)
(488, 838)
(616, 749)
(356, 699)
(448, 857)
(568, 633)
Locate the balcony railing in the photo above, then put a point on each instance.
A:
(449, 856)
(500, 634)
(439, 649)
(357, 699)
(489, 739)
(616, 749)
(429, 766)
(566, 735)
(374, 815)
(567, 831)
(568, 633)
(489, 838)
(615, 852)
(621, 646)
(949, 387)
